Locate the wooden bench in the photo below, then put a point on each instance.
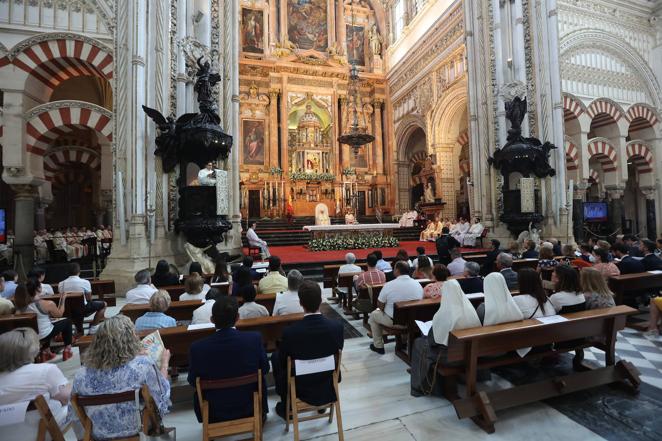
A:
(73, 307)
(182, 310)
(632, 283)
(103, 290)
(524, 263)
(178, 339)
(470, 350)
(11, 322)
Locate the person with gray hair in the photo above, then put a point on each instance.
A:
(156, 317)
(114, 363)
(456, 267)
(22, 380)
(348, 268)
(504, 262)
(471, 282)
(287, 302)
(144, 289)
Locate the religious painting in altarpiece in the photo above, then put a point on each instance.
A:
(252, 30)
(307, 25)
(252, 135)
(356, 44)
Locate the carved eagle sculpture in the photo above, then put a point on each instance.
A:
(167, 140)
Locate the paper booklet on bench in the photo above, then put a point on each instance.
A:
(552, 319)
(424, 326)
(200, 326)
(154, 347)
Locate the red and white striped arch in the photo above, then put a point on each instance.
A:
(644, 112)
(641, 156)
(603, 105)
(415, 158)
(604, 152)
(571, 155)
(463, 139)
(594, 176)
(572, 107)
(54, 60)
(45, 127)
(57, 159)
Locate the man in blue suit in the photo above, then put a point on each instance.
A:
(227, 354)
(313, 337)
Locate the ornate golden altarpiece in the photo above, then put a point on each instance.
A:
(293, 71)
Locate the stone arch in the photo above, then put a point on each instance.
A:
(605, 105)
(604, 152)
(52, 58)
(465, 162)
(405, 128)
(643, 111)
(571, 155)
(641, 156)
(47, 122)
(594, 38)
(593, 176)
(572, 106)
(447, 112)
(56, 158)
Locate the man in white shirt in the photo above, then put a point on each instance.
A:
(400, 289)
(420, 251)
(206, 175)
(456, 267)
(288, 302)
(475, 231)
(462, 229)
(75, 284)
(255, 241)
(203, 313)
(143, 291)
(250, 309)
(348, 267)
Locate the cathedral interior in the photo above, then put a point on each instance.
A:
(430, 83)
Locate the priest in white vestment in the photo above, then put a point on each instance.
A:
(255, 241)
(475, 231)
(206, 175)
(462, 229)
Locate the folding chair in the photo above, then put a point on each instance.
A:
(150, 419)
(252, 424)
(294, 405)
(47, 422)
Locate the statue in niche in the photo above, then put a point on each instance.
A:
(375, 41)
(429, 193)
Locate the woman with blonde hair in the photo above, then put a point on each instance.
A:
(156, 317)
(22, 380)
(193, 284)
(595, 289)
(113, 363)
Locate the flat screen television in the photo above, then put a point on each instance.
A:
(3, 226)
(595, 212)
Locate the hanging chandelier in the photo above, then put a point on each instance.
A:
(356, 136)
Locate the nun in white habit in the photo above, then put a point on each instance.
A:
(499, 306)
(455, 312)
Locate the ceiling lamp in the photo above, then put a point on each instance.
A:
(356, 136)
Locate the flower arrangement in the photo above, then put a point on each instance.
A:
(349, 171)
(359, 241)
(302, 176)
(276, 171)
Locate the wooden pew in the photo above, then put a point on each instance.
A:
(483, 348)
(630, 283)
(103, 290)
(346, 281)
(73, 305)
(182, 310)
(524, 263)
(178, 339)
(10, 322)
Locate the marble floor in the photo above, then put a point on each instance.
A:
(376, 405)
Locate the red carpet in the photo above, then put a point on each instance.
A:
(294, 254)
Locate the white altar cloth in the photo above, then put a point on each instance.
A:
(355, 227)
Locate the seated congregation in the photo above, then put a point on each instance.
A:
(238, 330)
